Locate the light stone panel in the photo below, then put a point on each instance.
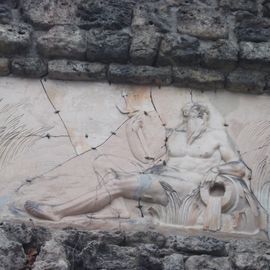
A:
(166, 158)
(91, 112)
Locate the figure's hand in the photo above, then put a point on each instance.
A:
(211, 176)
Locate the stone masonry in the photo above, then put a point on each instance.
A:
(205, 44)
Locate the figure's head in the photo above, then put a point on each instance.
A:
(195, 110)
(196, 117)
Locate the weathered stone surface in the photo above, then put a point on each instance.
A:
(52, 256)
(150, 237)
(47, 13)
(197, 245)
(10, 3)
(178, 49)
(4, 66)
(250, 255)
(76, 70)
(108, 46)
(144, 46)
(29, 67)
(253, 29)
(27, 247)
(11, 253)
(266, 8)
(241, 16)
(102, 256)
(5, 14)
(267, 88)
(139, 74)
(63, 42)
(174, 262)
(26, 235)
(14, 39)
(112, 237)
(198, 78)
(148, 257)
(255, 53)
(154, 14)
(112, 14)
(246, 81)
(222, 54)
(248, 5)
(202, 22)
(205, 262)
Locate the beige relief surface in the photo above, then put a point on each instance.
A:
(106, 156)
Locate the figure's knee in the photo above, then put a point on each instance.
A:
(155, 193)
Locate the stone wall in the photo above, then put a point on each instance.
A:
(30, 247)
(205, 44)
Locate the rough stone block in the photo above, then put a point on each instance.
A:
(111, 14)
(76, 70)
(250, 254)
(198, 78)
(14, 39)
(253, 29)
(267, 88)
(207, 262)
(222, 54)
(108, 46)
(150, 237)
(242, 80)
(47, 13)
(10, 3)
(255, 54)
(11, 253)
(197, 244)
(63, 42)
(144, 46)
(139, 74)
(52, 256)
(248, 5)
(29, 67)
(178, 49)
(151, 14)
(174, 262)
(4, 66)
(5, 14)
(266, 8)
(202, 22)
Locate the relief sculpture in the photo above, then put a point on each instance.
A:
(189, 176)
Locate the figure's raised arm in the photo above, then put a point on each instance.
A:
(146, 137)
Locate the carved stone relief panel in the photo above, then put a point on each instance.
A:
(103, 156)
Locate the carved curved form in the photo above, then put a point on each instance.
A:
(15, 136)
(254, 142)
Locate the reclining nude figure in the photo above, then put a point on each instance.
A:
(193, 155)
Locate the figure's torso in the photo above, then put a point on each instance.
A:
(192, 161)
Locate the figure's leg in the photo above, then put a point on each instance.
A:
(141, 187)
(87, 203)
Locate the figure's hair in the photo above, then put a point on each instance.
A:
(199, 108)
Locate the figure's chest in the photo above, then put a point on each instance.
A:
(202, 147)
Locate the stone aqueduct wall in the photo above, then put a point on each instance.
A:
(195, 43)
(32, 247)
